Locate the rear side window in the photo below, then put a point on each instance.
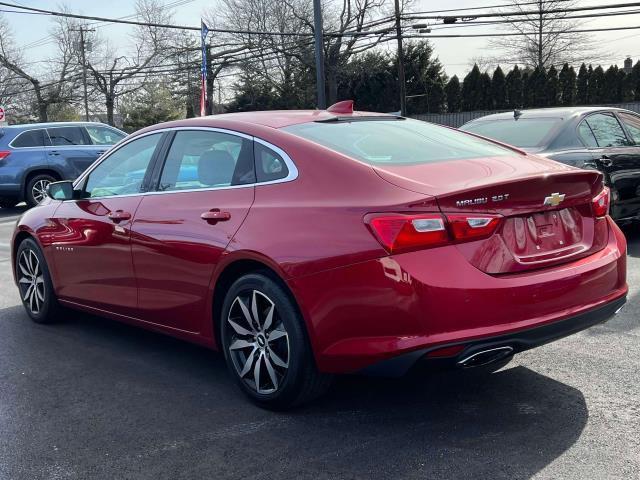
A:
(396, 142)
(206, 159)
(584, 130)
(633, 126)
(607, 130)
(30, 138)
(61, 136)
(103, 135)
(524, 133)
(270, 165)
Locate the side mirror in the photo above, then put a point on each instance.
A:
(61, 190)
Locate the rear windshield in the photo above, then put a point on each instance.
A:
(396, 142)
(524, 133)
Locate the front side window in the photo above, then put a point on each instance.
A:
(397, 142)
(123, 172)
(207, 159)
(607, 130)
(103, 136)
(633, 126)
(523, 133)
(30, 138)
(65, 136)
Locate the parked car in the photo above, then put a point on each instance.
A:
(600, 138)
(34, 155)
(309, 243)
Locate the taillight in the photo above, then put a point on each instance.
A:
(405, 232)
(4, 154)
(465, 227)
(401, 232)
(600, 203)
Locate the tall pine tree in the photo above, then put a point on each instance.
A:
(471, 90)
(567, 85)
(514, 88)
(553, 87)
(453, 93)
(596, 85)
(582, 87)
(499, 89)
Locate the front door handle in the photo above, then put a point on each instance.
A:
(54, 153)
(215, 215)
(606, 161)
(118, 216)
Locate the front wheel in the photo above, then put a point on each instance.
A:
(34, 283)
(266, 346)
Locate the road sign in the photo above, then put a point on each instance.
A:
(2, 115)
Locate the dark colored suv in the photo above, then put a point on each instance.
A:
(34, 155)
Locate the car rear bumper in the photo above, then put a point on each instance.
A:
(516, 342)
(371, 312)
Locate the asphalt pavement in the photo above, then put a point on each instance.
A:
(93, 399)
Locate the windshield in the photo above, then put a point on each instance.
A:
(396, 142)
(524, 133)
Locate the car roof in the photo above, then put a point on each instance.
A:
(25, 126)
(275, 118)
(554, 112)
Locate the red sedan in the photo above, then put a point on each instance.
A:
(308, 243)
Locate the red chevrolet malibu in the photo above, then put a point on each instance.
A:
(309, 243)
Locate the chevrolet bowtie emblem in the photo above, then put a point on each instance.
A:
(554, 199)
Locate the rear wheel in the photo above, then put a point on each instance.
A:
(36, 190)
(34, 283)
(266, 347)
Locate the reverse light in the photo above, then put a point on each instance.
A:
(600, 203)
(402, 232)
(465, 227)
(4, 154)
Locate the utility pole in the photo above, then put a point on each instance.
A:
(317, 16)
(83, 59)
(401, 81)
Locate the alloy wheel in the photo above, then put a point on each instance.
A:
(258, 344)
(31, 281)
(39, 190)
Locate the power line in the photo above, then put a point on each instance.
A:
(185, 27)
(519, 34)
(528, 12)
(484, 7)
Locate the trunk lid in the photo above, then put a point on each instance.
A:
(546, 208)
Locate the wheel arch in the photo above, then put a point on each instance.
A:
(235, 268)
(39, 170)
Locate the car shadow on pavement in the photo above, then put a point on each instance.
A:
(91, 398)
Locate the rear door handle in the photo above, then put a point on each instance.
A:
(118, 216)
(215, 215)
(54, 153)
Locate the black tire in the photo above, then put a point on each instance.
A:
(297, 383)
(6, 202)
(33, 193)
(48, 310)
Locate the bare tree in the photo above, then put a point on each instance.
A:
(116, 74)
(273, 57)
(56, 84)
(548, 35)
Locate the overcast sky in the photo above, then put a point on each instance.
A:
(456, 54)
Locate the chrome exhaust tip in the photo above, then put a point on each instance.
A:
(485, 357)
(619, 310)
